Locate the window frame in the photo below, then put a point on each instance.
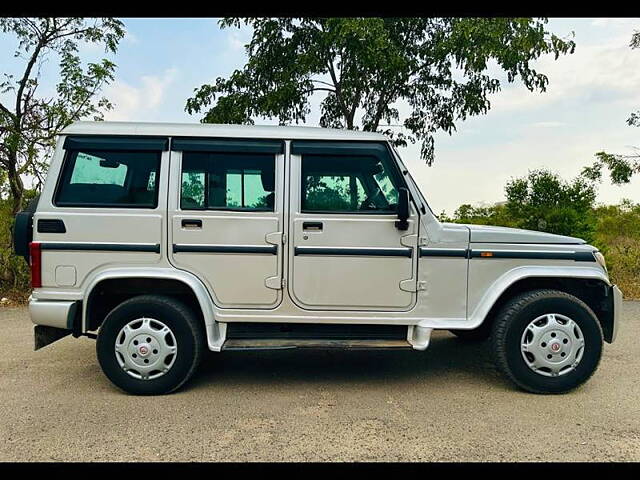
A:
(66, 172)
(331, 148)
(271, 156)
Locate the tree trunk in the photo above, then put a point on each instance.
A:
(16, 186)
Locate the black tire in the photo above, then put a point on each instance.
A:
(511, 323)
(477, 335)
(185, 327)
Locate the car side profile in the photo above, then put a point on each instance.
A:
(163, 241)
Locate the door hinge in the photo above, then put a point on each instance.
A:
(422, 285)
(284, 283)
(284, 238)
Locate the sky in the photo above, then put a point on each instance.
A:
(584, 110)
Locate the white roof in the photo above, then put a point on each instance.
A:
(217, 130)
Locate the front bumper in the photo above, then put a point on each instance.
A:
(53, 313)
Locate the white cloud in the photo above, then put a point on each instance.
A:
(139, 102)
(549, 124)
(602, 72)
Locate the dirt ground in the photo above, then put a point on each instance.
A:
(445, 404)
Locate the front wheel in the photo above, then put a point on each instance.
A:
(547, 341)
(150, 345)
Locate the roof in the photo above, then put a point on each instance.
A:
(217, 130)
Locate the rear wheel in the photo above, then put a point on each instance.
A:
(547, 341)
(150, 345)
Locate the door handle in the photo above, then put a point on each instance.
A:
(314, 226)
(191, 223)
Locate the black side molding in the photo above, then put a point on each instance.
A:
(576, 256)
(354, 252)
(444, 252)
(488, 254)
(269, 249)
(102, 247)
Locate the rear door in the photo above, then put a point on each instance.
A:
(226, 217)
(346, 252)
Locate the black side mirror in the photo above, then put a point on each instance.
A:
(403, 209)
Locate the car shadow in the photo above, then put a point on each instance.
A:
(446, 357)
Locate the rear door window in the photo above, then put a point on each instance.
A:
(227, 181)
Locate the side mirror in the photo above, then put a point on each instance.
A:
(403, 209)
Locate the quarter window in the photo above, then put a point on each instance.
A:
(227, 181)
(109, 178)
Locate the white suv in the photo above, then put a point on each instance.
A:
(163, 240)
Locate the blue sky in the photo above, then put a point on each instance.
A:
(589, 97)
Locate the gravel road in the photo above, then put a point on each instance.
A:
(445, 404)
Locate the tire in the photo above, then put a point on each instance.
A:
(514, 329)
(177, 344)
(477, 335)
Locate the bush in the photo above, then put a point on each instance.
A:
(15, 282)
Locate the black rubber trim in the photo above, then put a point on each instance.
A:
(101, 247)
(51, 225)
(225, 145)
(444, 252)
(576, 256)
(338, 147)
(468, 253)
(353, 252)
(115, 142)
(271, 249)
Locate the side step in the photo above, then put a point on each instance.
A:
(276, 336)
(289, 343)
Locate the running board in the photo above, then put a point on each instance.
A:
(289, 343)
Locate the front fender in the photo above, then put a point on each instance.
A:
(502, 283)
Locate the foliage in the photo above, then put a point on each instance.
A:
(30, 122)
(481, 215)
(621, 167)
(14, 271)
(438, 67)
(543, 201)
(618, 236)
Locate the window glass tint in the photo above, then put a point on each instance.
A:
(227, 181)
(347, 184)
(109, 178)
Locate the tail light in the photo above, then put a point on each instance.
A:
(35, 254)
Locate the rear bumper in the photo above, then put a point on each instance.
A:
(53, 313)
(617, 310)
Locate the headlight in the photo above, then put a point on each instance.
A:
(601, 261)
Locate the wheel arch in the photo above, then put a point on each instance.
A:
(590, 285)
(111, 287)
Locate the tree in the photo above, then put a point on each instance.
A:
(621, 167)
(29, 123)
(544, 201)
(372, 68)
(481, 215)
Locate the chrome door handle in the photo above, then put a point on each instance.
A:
(191, 223)
(312, 226)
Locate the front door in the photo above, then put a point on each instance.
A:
(346, 252)
(226, 217)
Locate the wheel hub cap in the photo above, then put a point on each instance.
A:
(552, 345)
(145, 348)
